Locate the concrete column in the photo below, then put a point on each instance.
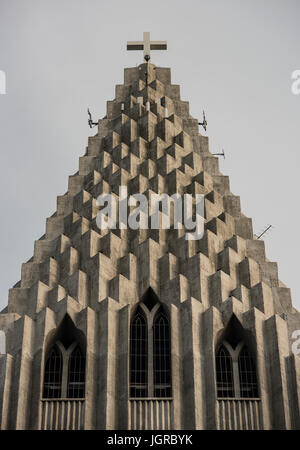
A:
(91, 370)
(197, 348)
(102, 361)
(24, 375)
(112, 332)
(293, 374)
(37, 380)
(122, 380)
(211, 326)
(106, 380)
(44, 324)
(277, 348)
(6, 370)
(256, 321)
(176, 367)
(187, 386)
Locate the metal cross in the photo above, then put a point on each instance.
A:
(147, 45)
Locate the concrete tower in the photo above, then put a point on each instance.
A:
(125, 328)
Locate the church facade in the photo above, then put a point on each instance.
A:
(123, 328)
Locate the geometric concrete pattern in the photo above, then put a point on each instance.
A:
(85, 284)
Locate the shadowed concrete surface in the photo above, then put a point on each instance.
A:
(80, 292)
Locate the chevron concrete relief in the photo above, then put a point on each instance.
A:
(127, 326)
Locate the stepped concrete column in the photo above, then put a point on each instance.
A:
(123, 364)
(6, 375)
(91, 374)
(277, 346)
(176, 367)
(23, 373)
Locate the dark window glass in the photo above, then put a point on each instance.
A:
(53, 374)
(76, 377)
(224, 373)
(247, 374)
(161, 356)
(138, 356)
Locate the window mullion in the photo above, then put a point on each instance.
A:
(236, 378)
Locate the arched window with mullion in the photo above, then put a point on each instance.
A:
(64, 374)
(138, 355)
(53, 374)
(161, 356)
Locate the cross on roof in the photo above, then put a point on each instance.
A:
(147, 45)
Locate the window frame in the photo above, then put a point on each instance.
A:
(74, 386)
(234, 354)
(163, 358)
(65, 357)
(224, 375)
(150, 316)
(51, 372)
(140, 359)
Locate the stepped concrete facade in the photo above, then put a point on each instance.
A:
(143, 328)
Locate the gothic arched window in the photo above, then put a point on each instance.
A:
(76, 377)
(235, 372)
(161, 356)
(224, 373)
(150, 350)
(64, 375)
(53, 374)
(138, 356)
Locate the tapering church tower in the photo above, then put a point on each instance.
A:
(142, 328)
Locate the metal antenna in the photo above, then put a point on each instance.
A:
(204, 123)
(90, 120)
(220, 154)
(265, 231)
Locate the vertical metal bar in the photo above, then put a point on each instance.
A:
(129, 414)
(57, 411)
(134, 416)
(68, 415)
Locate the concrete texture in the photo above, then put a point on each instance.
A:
(98, 278)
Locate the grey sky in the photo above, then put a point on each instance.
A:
(232, 58)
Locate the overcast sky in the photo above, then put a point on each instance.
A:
(232, 58)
